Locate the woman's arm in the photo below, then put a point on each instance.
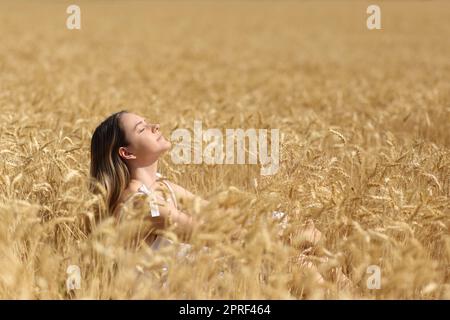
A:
(169, 216)
(139, 204)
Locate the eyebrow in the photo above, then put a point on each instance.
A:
(139, 122)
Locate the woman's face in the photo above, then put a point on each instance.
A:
(146, 142)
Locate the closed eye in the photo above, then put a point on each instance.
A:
(144, 126)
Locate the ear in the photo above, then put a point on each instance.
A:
(125, 154)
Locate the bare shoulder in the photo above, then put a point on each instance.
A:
(131, 199)
(130, 191)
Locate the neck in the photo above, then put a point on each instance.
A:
(145, 175)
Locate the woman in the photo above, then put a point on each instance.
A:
(124, 160)
(125, 149)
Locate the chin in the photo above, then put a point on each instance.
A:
(167, 145)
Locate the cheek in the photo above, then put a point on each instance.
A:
(149, 145)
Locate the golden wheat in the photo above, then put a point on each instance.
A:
(365, 151)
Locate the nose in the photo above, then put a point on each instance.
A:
(156, 127)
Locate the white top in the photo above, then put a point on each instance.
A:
(160, 241)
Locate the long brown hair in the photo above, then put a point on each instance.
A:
(108, 171)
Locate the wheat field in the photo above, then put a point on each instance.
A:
(364, 122)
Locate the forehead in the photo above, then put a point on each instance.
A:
(129, 120)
